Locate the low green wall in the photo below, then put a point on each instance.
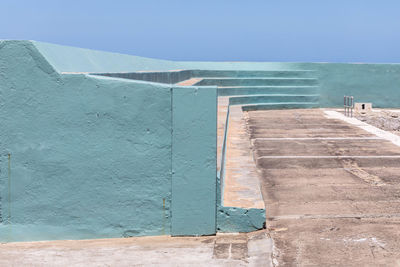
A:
(375, 83)
(234, 219)
(85, 156)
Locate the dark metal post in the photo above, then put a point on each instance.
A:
(352, 106)
(348, 106)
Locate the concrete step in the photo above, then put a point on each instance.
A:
(273, 98)
(258, 81)
(282, 105)
(250, 90)
(253, 73)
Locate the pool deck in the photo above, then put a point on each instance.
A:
(331, 189)
(252, 249)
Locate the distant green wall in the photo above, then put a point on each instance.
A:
(376, 83)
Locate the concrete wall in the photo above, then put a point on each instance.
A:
(91, 157)
(153, 76)
(376, 83)
(194, 161)
(73, 59)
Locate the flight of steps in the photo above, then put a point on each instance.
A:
(265, 89)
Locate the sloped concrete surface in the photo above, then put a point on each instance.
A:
(242, 182)
(331, 189)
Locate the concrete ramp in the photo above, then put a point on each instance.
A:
(242, 182)
(241, 207)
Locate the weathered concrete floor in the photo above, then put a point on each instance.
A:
(331, 190)
(251, 249)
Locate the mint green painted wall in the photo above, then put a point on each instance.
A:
(73, 59)
(194, 163)
(376, 83)
(234, 219)
(90, 157)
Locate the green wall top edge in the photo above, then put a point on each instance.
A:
(198, 69)
(264, 95)
(258, 78)
(36, 55)
(279, 103)
(73, 59)
(123, 80)
(287, 62)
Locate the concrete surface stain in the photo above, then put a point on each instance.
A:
(352, 167)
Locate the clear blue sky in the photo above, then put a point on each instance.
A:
(253, 30)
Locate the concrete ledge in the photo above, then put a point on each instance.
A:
(272, 98)
(254, 81)
(282, 105)
(241, 181)
(257, 90)
(238, 183)
(234, 219)
(189, 82)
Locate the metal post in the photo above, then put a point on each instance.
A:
(348, 106)
(352, 106)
